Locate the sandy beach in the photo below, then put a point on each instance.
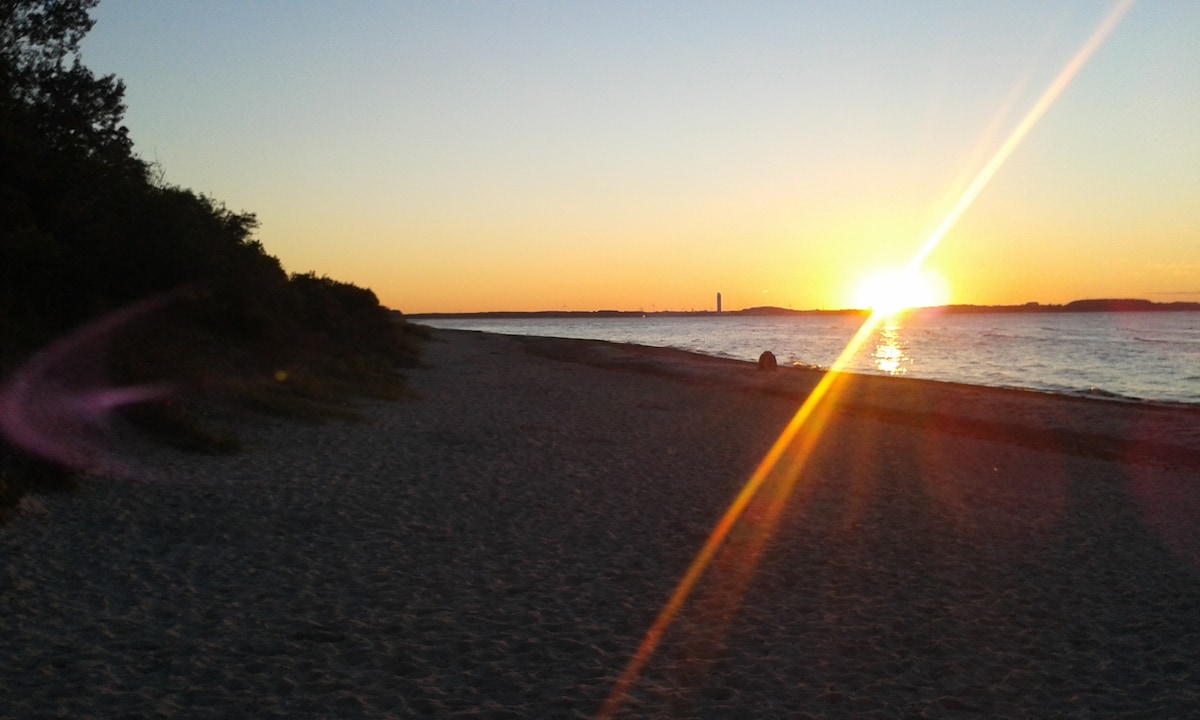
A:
(498, 546)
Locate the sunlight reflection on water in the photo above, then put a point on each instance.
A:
(1134, 355)
(889, 355)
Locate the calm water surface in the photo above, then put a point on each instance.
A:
(1150, 356)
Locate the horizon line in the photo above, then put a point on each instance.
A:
(1096, 304)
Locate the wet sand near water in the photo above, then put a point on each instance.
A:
(498, 547)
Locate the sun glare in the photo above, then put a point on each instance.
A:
(884, 292)
(888, 292)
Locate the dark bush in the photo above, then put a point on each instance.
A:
(86, 228)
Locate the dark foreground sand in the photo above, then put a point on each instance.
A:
(498, 548)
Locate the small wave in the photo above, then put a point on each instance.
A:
(809, 366)
(1108, 395)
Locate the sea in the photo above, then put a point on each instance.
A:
(1135, 356)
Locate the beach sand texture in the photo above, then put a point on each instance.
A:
(498, 547)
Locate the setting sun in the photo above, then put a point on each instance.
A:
(894, 290)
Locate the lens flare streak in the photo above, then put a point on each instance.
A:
(1052, 93)
(814, 411)
(57, 405)
(796, 442)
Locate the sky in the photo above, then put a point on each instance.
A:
(475, 156)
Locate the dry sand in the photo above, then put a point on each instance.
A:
(498, 547)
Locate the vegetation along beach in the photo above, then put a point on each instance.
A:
(274, 463)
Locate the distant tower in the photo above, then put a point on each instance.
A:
(718, 302)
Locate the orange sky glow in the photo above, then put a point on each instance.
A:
(461, 157)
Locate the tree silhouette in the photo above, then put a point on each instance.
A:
(69, 107)
(86, 226)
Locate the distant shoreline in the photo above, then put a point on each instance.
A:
(1076, 306)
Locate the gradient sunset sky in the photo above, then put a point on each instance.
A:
(459, 156)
